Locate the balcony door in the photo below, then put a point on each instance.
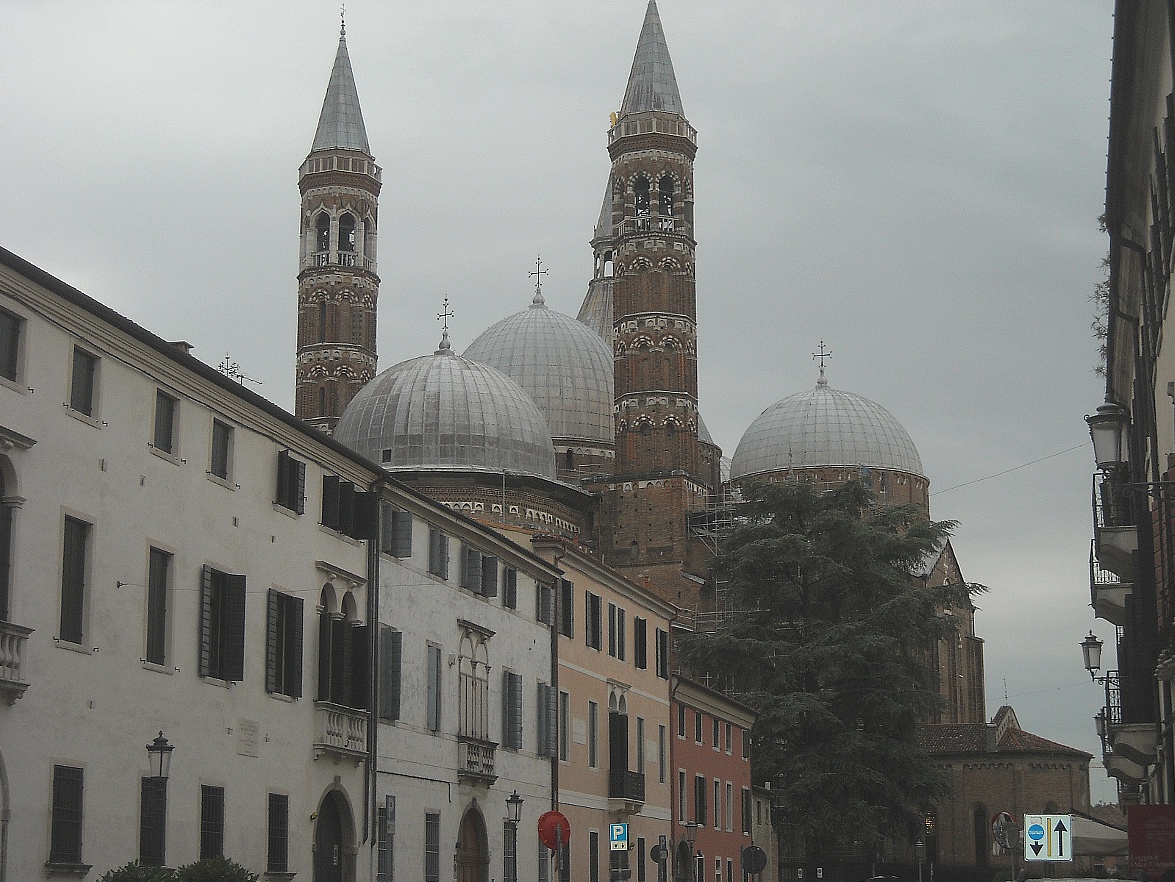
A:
(473, 854)
(333, 861)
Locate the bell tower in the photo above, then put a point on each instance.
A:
(644, 251)
(337, 282)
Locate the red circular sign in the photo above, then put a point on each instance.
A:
(554, 830)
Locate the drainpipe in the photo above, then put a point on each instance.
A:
(370, 778)
(558, 592)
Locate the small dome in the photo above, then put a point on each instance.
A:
(560, 363)
(445, 411)
(824, 427)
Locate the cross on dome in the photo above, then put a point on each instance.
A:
(443, 316)
(538, 272)
(822, 354)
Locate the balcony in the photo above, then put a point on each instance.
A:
(341, 731)
(1115, 536)
(626, 791)
(1108, 592)
(12, 643)
(475, 760)
(323, 259)
(1129, 747)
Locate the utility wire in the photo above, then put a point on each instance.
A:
(1012, 469)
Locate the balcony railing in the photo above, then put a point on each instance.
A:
(339, 730)
(12, 643)
(1114, 533)
(321, 259)
(475, 759)
(627, 786)
(1107, 591)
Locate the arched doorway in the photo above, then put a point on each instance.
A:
(681, 862)
(473, 853)
(334, 854)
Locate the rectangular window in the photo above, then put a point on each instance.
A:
(65, 835)
(640, 643)
(291, 482)
(681, 721)
(681, 815)
(390, 649)
(438, 553)
(83, 384)
(277, 852)
(222, 625)
(396, 532)
(564, 727)
(700, 800)
(662, 654)
(592, 626)
(717, 804)
(510, 588)
(730, 870)
(640, 745)
(471, 571)
(593, 713)
(566, 608)
(714, 733)
(432, 847)
(385, 831)
(729, 807)
(717, 869)
(612, 630)
(283, 645)
(211, 821)
(433, 706)
(745, 811)
(661, 751)
(73, 579)
(621, 636)
(165, 409)
(152, 821)
(593, 856)
(158, 578)
(697, 727)
(222, 441)
(512, 710)
(729, 740)
(10, 326)
(509, 851)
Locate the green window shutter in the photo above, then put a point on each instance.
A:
(293, 660)
(489, 576)
(284, 468)
(233, 664)
(471, 569)
(402, 533)
(330, 501)
(360, 667)
(390, 649)
(272, 617)
(325, 635)
(205, 621)
(366, 506)
(346, 522)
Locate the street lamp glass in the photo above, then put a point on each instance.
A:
(1091, 650)
(514, 807)
(691, 834)
(1107, 429)
(1099, 722)
(159, 753)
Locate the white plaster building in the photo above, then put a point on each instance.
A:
(179, 555)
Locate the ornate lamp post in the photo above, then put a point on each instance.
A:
(514, 815)
(1108, 430)
(691, 838)
(159, 753)
(1091, 651)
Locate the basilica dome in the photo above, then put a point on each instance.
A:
(562, 364)
(824, 427)
(443, 411)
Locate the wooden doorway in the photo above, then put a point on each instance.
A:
(473, 853)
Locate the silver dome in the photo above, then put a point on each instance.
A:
(445, 411)
(824, 427)
(561, 363)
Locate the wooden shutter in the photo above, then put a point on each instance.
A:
(366, 507)
(293, 659)
(299, 487)
(325, 633)
(433, 707)
(205, 621)
(545, 602)
(360, 667)
(340, 660)
(512, 710)
(330, 501)
(233, 622)
(566, 608)
(73, 579)
(548, 720)
(640, 637)
(346, 523)
(272, 616)
(489, 576)
(390, 649)
(510, 589)
(618, 741)
(471, 569)
(612, 629)
(284, 468)
(402, 546)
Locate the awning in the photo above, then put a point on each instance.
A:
(1093, 838)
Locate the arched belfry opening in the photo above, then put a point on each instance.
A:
(665, 196)
(640, 193)
(322, 232)
(347, 232)
(473, 851)
(334, 839)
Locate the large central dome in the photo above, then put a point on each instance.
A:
(561, 363)
(444, 411)
(824, 427)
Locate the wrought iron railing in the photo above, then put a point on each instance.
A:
(1113, 699)
(623, 784)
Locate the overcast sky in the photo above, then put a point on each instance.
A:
(915, 183)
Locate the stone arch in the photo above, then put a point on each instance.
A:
(473, 850)
(327, 602)
(350, 609)
(334, 837)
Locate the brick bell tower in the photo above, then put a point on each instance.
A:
(337, 282)
(649, 252)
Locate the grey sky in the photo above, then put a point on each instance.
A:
(915, 183)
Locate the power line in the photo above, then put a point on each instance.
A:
(1008, 471)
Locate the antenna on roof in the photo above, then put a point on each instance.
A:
(343, 20)
(232, 370)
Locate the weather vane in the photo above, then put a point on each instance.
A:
(232, 370)
(445, 315)
(343, 20)
(538, 274)
(822, 354)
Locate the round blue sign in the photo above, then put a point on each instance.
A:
(1036, 832)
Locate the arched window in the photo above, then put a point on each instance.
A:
(569, 460)
(609, 265)
(640, 190)
(369, 236)
(665, 188)
(322, 321)
(322, 227)
(347, 232)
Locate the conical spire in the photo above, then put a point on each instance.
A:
(341, 121)
(651, 85)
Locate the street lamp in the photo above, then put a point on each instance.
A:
(1108, 430)
(691, 837)
(159, 753)
(1091, 651)
(514, 815)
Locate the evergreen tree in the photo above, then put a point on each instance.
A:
(832, 648)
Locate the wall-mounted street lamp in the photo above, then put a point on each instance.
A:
(159, 753)
(1091, 651)
(691, 838)
(1108, 429)
(513, 815)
